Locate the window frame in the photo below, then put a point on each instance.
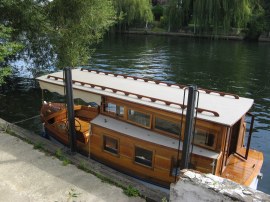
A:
(140, 111)
(166, 132)
(112, 114)
(210, 131)
(104, 148)
(141, 164)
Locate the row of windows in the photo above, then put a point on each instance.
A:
(202, 137)
(142, 156)
(143, 119)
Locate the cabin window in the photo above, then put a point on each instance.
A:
(139, 118)
(143, 156)
(204, 137)
(114, 109)
(110, 144)
(167, 126)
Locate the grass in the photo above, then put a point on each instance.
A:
(164, 199)
(65, 162)
(158, 29)
(72, 194)
(39, 146)
(82, 166)
(131, 191)
(59, 154)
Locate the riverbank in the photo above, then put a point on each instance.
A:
(192, 35)
(31, 175)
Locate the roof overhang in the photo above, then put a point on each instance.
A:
(91, 86)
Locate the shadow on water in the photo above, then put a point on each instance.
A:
(236, 67)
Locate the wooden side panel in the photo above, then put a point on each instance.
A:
(162, 162)
(218, 164)
(126, 151)
(95, 140)
(215, 128)
(160, 172)
(202, 164)
(87, 113)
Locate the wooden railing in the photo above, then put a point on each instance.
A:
(161, 82)
(139, 96)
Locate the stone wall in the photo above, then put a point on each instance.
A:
(194, 186)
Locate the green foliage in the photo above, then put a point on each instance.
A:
(57, 32)
(131, 191)
(129, 11)
(173, 17)
(266, 7)
(78, 24)
(29, 20)
(8, 48)
(158, 11)
(257, 23)
(208, 15)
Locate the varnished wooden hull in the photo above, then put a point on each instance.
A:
(55, 124)
(161, 171)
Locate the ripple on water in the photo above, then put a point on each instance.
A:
(238, 87)
(266, 99)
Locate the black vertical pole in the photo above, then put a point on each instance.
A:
(249, 134)
(70, 109)
(188, 126)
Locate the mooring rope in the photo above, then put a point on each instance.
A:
(27, 119)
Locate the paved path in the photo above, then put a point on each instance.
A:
(29, 175)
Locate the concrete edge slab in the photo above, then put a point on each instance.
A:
(114, 177)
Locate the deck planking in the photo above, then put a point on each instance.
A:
(243, 171)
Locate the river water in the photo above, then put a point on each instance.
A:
(236, 67)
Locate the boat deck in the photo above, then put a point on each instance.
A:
(84, 125)
(241, 171)
(81, 127)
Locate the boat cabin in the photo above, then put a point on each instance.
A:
(137, 126)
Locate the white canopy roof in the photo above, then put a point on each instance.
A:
(90, 86)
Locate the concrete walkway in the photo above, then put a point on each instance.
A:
(29, 175)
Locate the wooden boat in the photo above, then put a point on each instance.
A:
(137, 127)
